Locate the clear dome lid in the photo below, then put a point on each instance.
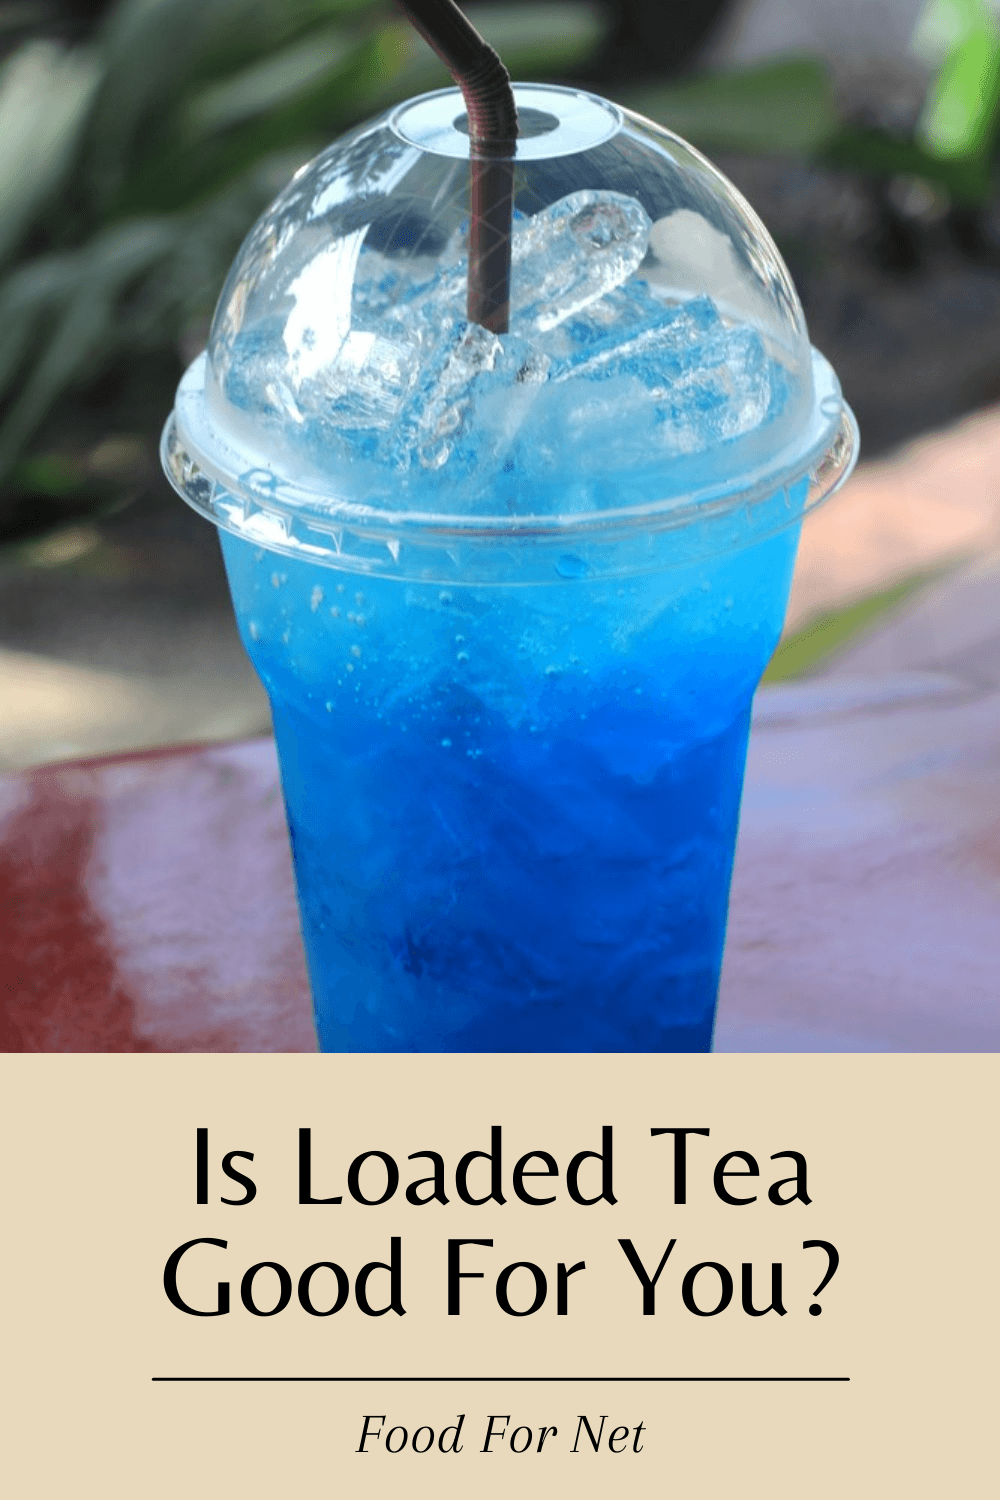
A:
(657, 356)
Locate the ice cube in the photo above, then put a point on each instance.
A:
(365, 385)
(411, 301)
(563, 260)
(572, 253)
(254, 376)
(468, 402)
(675, 387)
(391, 290)
(724, 394)
(620, 313)
(443, 395)
(706, 383)
(602, 376)
(628, 334)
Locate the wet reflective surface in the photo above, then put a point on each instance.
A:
(146, 903)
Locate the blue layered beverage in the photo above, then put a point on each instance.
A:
(511, 595)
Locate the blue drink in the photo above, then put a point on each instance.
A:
(513, 812)
(510, 598)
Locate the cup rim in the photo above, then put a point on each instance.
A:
(206, 472)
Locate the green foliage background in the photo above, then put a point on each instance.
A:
(132, 165)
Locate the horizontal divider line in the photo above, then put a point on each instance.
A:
(496, 1379)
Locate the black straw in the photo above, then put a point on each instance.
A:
(492, 115)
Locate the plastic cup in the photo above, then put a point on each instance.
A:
(511, 621)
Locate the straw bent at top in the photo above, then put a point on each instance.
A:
(492, 116)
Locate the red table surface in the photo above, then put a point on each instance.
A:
(146, 905)
(146, 902)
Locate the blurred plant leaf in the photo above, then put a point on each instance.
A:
(536, 40)
(50, 474)
(942, 25)
(785, 108)
(967, 179)
(268, 84)
(29, 13)
(45, 96)
(26, 297)
(160, 52)
(959, 115)
(150, 48)
(189, 168)
(321, 84)
(267, 26)
(807, 649)
(91, 283)
(130, 289)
